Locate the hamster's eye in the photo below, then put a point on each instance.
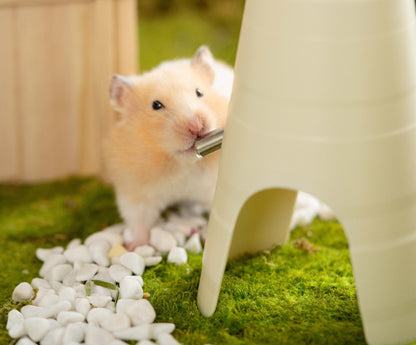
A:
(199, 93)
(157, 105)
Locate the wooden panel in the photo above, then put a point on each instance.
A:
(101, 67)
(57, 63)
(9, 152)
(126, 36)
(15, 3)
(50, 73)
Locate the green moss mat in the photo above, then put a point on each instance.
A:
(284, 296)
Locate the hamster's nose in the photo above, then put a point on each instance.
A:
(195, 132)
(197, 128)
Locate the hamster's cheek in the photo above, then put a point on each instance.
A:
(180, 139)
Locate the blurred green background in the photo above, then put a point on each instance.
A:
(175, 29)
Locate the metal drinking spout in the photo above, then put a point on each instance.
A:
(209, 143)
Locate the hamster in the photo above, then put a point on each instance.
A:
(149, 152)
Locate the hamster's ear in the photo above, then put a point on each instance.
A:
(121, 94)
(203, 61)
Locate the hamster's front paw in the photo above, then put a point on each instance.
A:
(131, 246)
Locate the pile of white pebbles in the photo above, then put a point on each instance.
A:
(93, 292)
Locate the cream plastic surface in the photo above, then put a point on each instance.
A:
(324, 101)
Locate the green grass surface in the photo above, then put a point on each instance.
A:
(282, 297)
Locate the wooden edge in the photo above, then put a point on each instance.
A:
(16, 3)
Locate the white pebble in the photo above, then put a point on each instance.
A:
(82, 306)
(130, 288)
(78, 254)
(178, 256)
(98, 301)
(304, 217)
(73, 343)
(114, 294)
(146, 342)
(98, 315)
(123, 304)
(116, 322)
(67, 317)
(115, 260)
(115, 229)
(145, 251)
(84, 271)
(33, 311)
(48, 299)
(118, 272)
(162, 240)
(25, 341)
(73, 243)
(51, 261)
(166, 339)
(186, 224)
(193, 245)
(99, 252)
(110, 237)
(67, 293)
(117, 342)
(58, 272)
(56, 285)
(178, 225)
(74, 332)
(159, 328)
(180, 238)
(42, 292)
(306, 201)
(135, 333)
(54, 309)
(140, 311)
(15, 325)
(133, 262)
(139, 279)
(97, 336)
(325, 213)
(43, 253)
(80, 290)
(152, 260)
(103, 274)
(23, 292)
(100, 290)
(36, 327)
(53, 337)
(111, 306)
(38, 283)
(69, 279)
(53, 324)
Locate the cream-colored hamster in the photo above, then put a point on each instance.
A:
(149, 152)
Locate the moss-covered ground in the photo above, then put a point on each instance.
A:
(284, 296)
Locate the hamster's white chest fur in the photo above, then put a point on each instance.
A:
(194, 183)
